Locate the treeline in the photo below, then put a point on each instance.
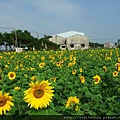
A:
(19, 38)
(24, 38)
(95, 45)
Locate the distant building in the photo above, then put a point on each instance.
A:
(2, 47)
(109, 45)
(118, 41)
(71, 40)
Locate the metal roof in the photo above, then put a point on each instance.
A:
(69, 33)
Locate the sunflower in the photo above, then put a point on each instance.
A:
(5, 102)
(76, 108)
(65, 58)
(16, 88)
(80, 70)
(74, 58)
(50, 56)
(108, 58)
(39, 94)
(61, 65)
(82, 79)
(22, 68)
(58, 64)
(31, 68)
(33, 78)
(74, 72)
(1, 57)
(16, 68)
(105, 68)
(53, 79)
(21, 65)
(73, 62)
(118, 66)
(62, 61)
(42, 58)
(51, 60)
(59, 56)
(70, 58)
(97, 79)
(25, 75)
(11, 75)
(69, 64)
(6, 66)
(0, 77)
(119, 59)
(90, 55)
(42, 64)
(72, 101)
(118, 69)
(115, 73)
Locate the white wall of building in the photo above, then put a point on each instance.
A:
(73, 42)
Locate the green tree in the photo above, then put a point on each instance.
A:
(6, 38)
(95, 45)
(1, 39)
(43, 43)
(22, 38)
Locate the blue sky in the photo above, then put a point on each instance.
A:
(98, 19)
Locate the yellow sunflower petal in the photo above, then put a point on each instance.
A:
(0, 110)
(39, 94)
(5, 103)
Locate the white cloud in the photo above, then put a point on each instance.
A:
(45, 16)
(60, 8)
(56, 16)
(64, 9)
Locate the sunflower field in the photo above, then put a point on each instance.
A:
(78, 82)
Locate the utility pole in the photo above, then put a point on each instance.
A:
(37, 36)
(56, 38)
(16, 43)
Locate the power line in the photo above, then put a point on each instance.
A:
(6, 28)
(16, 42)
(113, 40)
(103, 39)
(37, 32)
(17, 29)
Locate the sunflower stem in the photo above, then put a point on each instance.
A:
(19, 108)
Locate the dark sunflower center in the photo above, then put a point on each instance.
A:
(73, 101)
(96, 79)
(2, 103)
(82, 79)
(11, 75)
(74, 72)
(38, 93)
